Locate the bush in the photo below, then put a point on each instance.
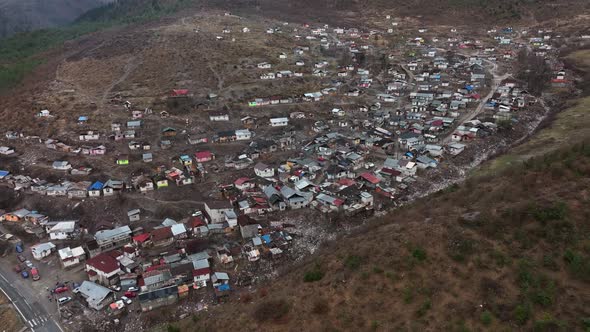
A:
(424, 308)
(486, 318)
(272, 310)
(408, 295)
(577, 264)
(522, 313)
(419, 254)
(316, 274)
(353, 262)
(557, 211)
(172, 328)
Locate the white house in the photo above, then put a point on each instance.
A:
(62, 230)
(62, 165)
(216, 210)
(42, 250)
(71, 257)
(243, 134)
(4, 150)
(263, 170)
(279, 122)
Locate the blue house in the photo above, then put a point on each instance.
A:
(95, 189)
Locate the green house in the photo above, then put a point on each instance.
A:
(123, 160)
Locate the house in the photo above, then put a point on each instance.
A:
(112, 238)
(103, 268)
(123, 159)
(179, 231)
(71, 257)
(18, 215)
(244, 184)
(160, 181)
(147, 157)
(6, 151)
(62, 165)
(95, 296)
(62, 230)
(168, 132)
(279, 122)
(456, 148)
(216, 211)
(201, 274)
(133, 215)
(162, 236)
(218, 116)
(264, 171)
(294, 198)
(42, 250)
(204, 156)
(95, 189)
(219, 278)
(424, 162)
(89, 136)
(243, 134)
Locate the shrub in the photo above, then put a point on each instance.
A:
(557, 211)
(272, 310)
(424, 308)
(419, 254)
(352, 262)
(314, 275)
(377, 270)
(172, 328)
(577, 264)
(408, 295)
(522, 313)
(486, 318)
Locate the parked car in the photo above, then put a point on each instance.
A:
(35, 274)
(64, 299)
(17, 268)
(130, 294)
(126, 300)
(24, 274)
(19, 248)
(29, 264)
(76, 290)
(58, 290)
(133, 289)
(21, 258)
(116, 288)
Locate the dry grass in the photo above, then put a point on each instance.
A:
(8, 316)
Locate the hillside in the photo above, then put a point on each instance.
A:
(26, 15)
(505, 250)
(494, 253)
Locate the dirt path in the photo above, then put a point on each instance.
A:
(130, 66)
(497, 79)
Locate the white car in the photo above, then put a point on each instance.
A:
(64, 299)
(116, 288)
(126, 300)
(133, 289)
(76, 290)
(29, 264)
